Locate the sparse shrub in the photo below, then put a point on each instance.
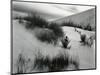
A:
(88, 27)
(56, 28)
(21, 64)
(89, 41)
(65, 42)
(86, 40)
(35, 21)
(79, 26)
(70, 23)
(83, 38)
(51, 34)
(46, 35)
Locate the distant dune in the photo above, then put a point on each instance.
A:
(48, 11)
(82, 18)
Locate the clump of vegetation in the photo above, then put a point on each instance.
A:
(56, 28)
(35, 21)
(72, 24)
(41, 62)
(87, 40)
(83, 38)
(21, 64)
(58, 63)
(65, 43)
(46, 35)
(50, 32)
(88, 27)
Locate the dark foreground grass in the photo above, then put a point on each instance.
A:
(42, 63)
(58, 63)
(22, 64)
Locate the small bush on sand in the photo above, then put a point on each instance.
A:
(88, 27)
(83, 38)
(65, 43)
(51, 34)
(86, 40)
(46, 35)
(89, 41)
(56, 28)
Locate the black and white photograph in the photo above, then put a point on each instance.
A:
(52, 37)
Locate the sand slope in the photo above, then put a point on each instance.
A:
(25, 42)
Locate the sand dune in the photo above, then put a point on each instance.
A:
(25, 42)
(49, 11)
(82, 18)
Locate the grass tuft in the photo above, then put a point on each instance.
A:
(22, 64)
(57, 63)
